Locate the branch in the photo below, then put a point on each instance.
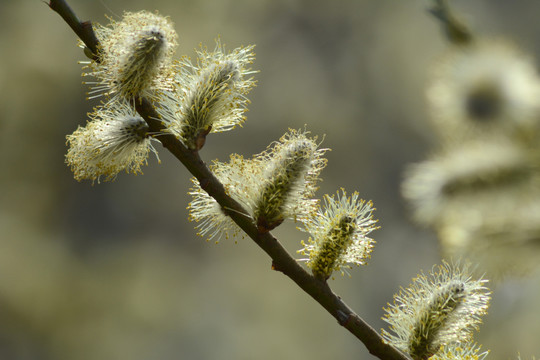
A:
(83, 29)
(456, 31)
(281, 260)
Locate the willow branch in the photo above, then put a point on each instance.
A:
(281, 260)
(83, 29)
(457, 32)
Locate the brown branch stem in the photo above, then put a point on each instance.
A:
(456, 30)
(83, 29)
(281, 259)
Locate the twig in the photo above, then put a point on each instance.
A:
(83, 29)
(281, 260)
(456, 31)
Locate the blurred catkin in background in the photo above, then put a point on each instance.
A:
(116, 271)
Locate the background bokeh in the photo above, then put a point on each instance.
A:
(116, 271)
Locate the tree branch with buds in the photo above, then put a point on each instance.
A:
(281, 260)
(150, 98)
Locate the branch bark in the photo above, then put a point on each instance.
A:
(281, 260)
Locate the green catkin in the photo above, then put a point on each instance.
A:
(338, 240)
(423, 340)
(142, 65)
(290, 168)
(203, 104)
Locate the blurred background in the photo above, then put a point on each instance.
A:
(116, 271)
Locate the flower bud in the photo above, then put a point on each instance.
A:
(272, 186)
(438, 309)
(210, 96)
(291, 169)
(339, 235)
(135, 56)
(115, 139)
(473, 176)
(488, 87)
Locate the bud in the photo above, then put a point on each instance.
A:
(473, 176)
(291, 169)
(272, 186)
(115, 139)
(135, 56)
(435, 310)
(339, 235)
(500, 235)
(487, 87)
(210, 96)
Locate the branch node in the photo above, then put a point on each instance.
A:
(275, 266)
